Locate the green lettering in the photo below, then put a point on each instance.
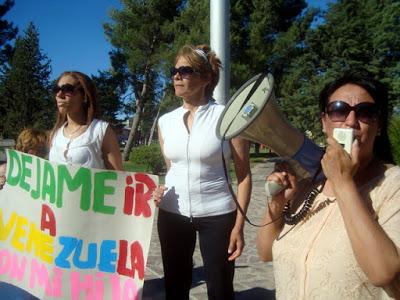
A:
(100, 190)
(14, 163)
(26, 172)
(49, 182)
(82, 179)
(35, 194)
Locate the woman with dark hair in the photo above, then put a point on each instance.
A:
(342, 240)
(79, 136)
(197, 197)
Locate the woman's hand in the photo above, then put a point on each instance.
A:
(158, 194)
(337, 164)
(266, 235)
(236, 243)
(3, 168)
(2, 181)
(284, 177)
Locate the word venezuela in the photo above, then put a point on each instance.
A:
(46, 242)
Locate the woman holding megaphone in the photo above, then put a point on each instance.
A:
(196, 197)
(345, 244)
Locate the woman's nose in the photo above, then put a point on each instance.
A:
(351, 119)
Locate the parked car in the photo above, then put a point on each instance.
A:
(4, 144)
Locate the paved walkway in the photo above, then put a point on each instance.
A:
(253, 278)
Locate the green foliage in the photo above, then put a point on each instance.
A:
(138, 35)
(353, 34)
(7, 33)
(303, 47)
(256, 26)
(394, 137)
(25, 100)
(110, 92)
(190, 26)
(149, 156)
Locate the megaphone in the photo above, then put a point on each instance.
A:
(252, 114)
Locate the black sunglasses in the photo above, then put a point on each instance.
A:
(183, 71)
(366, 112)
(65, 88)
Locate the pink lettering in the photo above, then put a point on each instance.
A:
(10, 263)
(130, 290)
(18, 271)
(92, 288)
(40, 274)
(5, 261)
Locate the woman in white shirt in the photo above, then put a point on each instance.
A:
(79, 136)
(196, 197)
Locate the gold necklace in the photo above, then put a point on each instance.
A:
(70, 135)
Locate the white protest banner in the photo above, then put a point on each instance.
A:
(69, 232)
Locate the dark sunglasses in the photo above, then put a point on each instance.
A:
(183, 71)
(366, 112)
(65, 88)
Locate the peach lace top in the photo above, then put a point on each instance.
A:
(314, 259)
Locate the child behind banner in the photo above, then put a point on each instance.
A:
(31, 141)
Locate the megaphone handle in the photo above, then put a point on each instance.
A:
(272, 188)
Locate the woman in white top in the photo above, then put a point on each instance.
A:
(79, 137)
(196, 197)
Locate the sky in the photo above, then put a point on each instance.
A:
(71, 31)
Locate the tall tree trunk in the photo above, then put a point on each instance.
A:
(133, 131)
(153, 127)
(140, 99)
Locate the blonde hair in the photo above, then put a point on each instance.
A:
(32, 139)
(204, 61)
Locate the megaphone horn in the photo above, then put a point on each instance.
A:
(252, 114)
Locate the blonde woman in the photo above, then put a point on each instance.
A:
(196, 198)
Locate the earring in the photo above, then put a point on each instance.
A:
(379, 132)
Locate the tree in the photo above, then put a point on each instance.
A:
(256, 27)
(110, 92)
(138, 36)
(354, 34)
(25, 100)
(7, 33)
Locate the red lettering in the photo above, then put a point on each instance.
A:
(141, 201)
(137, 259)
(48, 221)
(129, 194)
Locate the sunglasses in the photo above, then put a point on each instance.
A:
(65, 88)
(366, 112)
(183, 71)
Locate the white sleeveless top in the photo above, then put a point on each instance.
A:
(196, 182)
(83, 150)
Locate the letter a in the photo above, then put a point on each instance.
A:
(48, 221)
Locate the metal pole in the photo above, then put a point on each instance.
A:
(219, 36)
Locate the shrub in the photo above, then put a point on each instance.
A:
(394, 137)
(149, 156)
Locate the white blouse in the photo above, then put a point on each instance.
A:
(196, 182)
(83, 150)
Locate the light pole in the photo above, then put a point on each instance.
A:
(219, 41)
